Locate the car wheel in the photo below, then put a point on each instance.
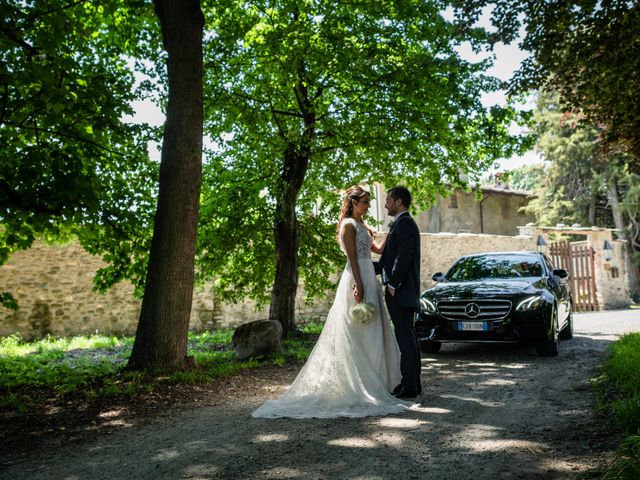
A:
(549, 347)
(430, 347)
(567, 332)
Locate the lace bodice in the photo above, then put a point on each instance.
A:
(363, 239)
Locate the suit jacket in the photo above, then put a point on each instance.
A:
(400, 261)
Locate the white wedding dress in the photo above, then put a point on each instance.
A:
(353, 366)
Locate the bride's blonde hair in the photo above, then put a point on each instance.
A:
(353, 193)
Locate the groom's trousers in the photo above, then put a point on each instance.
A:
(410, 365)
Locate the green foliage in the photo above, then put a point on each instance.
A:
(627, 465)
(582, 181)
(584, 50)
(7, 301)
(572, 185)
(16, 403)
(629, 187)
(69, 163)
(364, 91)
(618, 392)
(528, 177)
(621, 370)
(93, 366)
(59, 363)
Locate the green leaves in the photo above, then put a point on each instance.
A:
(367, 92)
(7, 301)
(68, 162)
(585, 51)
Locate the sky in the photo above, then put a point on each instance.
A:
(507, 60)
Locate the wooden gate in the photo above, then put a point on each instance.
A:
(578, 259)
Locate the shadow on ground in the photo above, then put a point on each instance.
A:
(487, 412)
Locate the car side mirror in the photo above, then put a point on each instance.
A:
(560, 273)
(438, 277)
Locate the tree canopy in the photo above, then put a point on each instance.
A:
(586, 51)
(582, 182)
(571, 189)
(301, 100)
(69, 163)
(305, 98)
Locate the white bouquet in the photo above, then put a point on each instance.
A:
(362, 312)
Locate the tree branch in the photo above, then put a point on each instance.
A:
(325, 149)
(30, 49)
(16, 200)
(281, 130)
(34, 17)
(66, 135)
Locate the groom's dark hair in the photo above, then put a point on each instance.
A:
(402, 194)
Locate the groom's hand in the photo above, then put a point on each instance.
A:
(391, 290)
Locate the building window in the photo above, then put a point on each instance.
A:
(453, 201)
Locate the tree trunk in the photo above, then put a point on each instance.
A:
(161, 337)
(285, 285)
(618, 219)
(591, 215)
(294, 169)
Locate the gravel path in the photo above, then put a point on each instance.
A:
(488, 412)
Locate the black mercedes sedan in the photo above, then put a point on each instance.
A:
(500, 297)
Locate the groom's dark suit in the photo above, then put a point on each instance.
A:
(400, 268)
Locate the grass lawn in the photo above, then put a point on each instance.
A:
(618, 395)
(93, 367)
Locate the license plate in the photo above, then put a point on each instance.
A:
(473, 326)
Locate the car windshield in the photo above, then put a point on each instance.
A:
(494, 266)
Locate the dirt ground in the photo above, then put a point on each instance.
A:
(487, 412)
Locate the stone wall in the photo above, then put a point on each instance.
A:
(498, 213)
(52, 285)
(440, 250)
(612, 278)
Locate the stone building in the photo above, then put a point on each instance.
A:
(497, 211)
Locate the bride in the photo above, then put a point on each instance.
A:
(355, 363)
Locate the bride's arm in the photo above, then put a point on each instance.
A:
(349, 242)
(378, 246)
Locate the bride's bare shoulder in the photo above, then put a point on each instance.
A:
(347, 221)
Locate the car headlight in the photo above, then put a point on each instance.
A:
(427, 306)
(530, 303)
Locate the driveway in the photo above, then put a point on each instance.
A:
(488, 412)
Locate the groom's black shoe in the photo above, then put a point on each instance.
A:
(405, 393)
(396, 390)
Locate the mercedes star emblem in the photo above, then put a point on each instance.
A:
(472, 310)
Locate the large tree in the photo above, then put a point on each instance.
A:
(161, 337)
(71, 164)
(307, 97)
(586, 51)
(571, 189)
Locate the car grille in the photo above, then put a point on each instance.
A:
(488, 309)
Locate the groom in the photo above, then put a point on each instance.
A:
(400, 268)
